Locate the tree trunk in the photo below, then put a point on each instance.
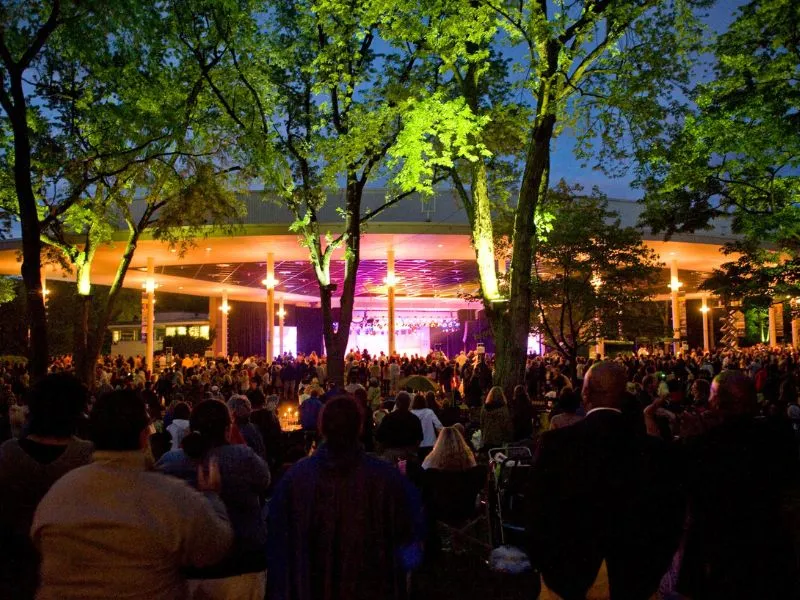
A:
(31, 243)
(534, 185)
(80, 338)
(95, 338)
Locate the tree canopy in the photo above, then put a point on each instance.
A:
(737, 155)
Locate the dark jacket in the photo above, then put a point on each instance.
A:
(496, 427)
(737, 545)
(399, 430)
(342, 527)
(245, 480)
(602, 491)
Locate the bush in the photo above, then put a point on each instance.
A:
(187, 344)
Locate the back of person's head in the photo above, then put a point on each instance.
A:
(402, 402)
(733, 394)
(520, 395)
(360, 396)
(240, 407)
(117, 421)
(604, 385)
(569, 400)
(181, 411)
(450, 453)
(418, 403)
(56, 404)
(340, 423)
(209, 425)
(703, 388)
(496, 397)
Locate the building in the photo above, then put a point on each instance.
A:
(428, 242)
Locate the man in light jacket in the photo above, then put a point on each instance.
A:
(115, 528)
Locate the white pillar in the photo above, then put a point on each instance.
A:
(674, 284)
(704, 309)
(150, 288)
(391, 280)
(773, 325)
(223, 324)
(796, 333)
(281, 318)
(270, 328)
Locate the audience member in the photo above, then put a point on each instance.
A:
(114, 529)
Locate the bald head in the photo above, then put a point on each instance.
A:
(733, 394)
(604, 385)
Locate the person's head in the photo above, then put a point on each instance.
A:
(650, 384)
(119, 422)
(419, 402)
(240, 408)
(340, 423)
(402, 402)
(361, 396)
(210, 427)
(569, 400)
(181, 411)
(701, 390)
(520, 395)
(56, 404)
(450, 453)
(733, 394)
(604, 385)
(496, 397)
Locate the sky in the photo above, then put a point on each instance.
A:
(563, 163)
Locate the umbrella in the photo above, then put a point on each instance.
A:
(417, 383)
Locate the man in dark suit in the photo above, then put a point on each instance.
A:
(603, 491)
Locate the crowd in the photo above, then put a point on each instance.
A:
(653, 474)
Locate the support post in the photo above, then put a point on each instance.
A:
(270, 328)
(773, 326)
(391, 280)
(150, 288)
(704, 309)
(675, 285)
(281, 319)
(223, 324)
(796, 333)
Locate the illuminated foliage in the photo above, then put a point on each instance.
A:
(738, 155)
(588, 269)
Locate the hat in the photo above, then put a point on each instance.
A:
(214, 388)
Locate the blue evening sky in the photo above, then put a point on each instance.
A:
(563, 163)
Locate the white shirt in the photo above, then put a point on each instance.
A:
(430, 423)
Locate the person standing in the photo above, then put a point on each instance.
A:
(245, 480)
(601, 492)
(29, 467)
(361, 542)
(115, 529)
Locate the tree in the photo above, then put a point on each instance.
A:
(738, 153)
(324, 94)
(71, 116)
(607, 69)
(588, 269)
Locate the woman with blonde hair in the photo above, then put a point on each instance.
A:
(450, 453)
(496, 427)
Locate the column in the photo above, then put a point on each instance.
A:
(150, 288)
(223, 324)
(674, 286)
(270, 328)
(501, 267)
(281, 318)
(391, 281)
(704, 309)
(773, 325)
(45, 291)
(214, 320)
